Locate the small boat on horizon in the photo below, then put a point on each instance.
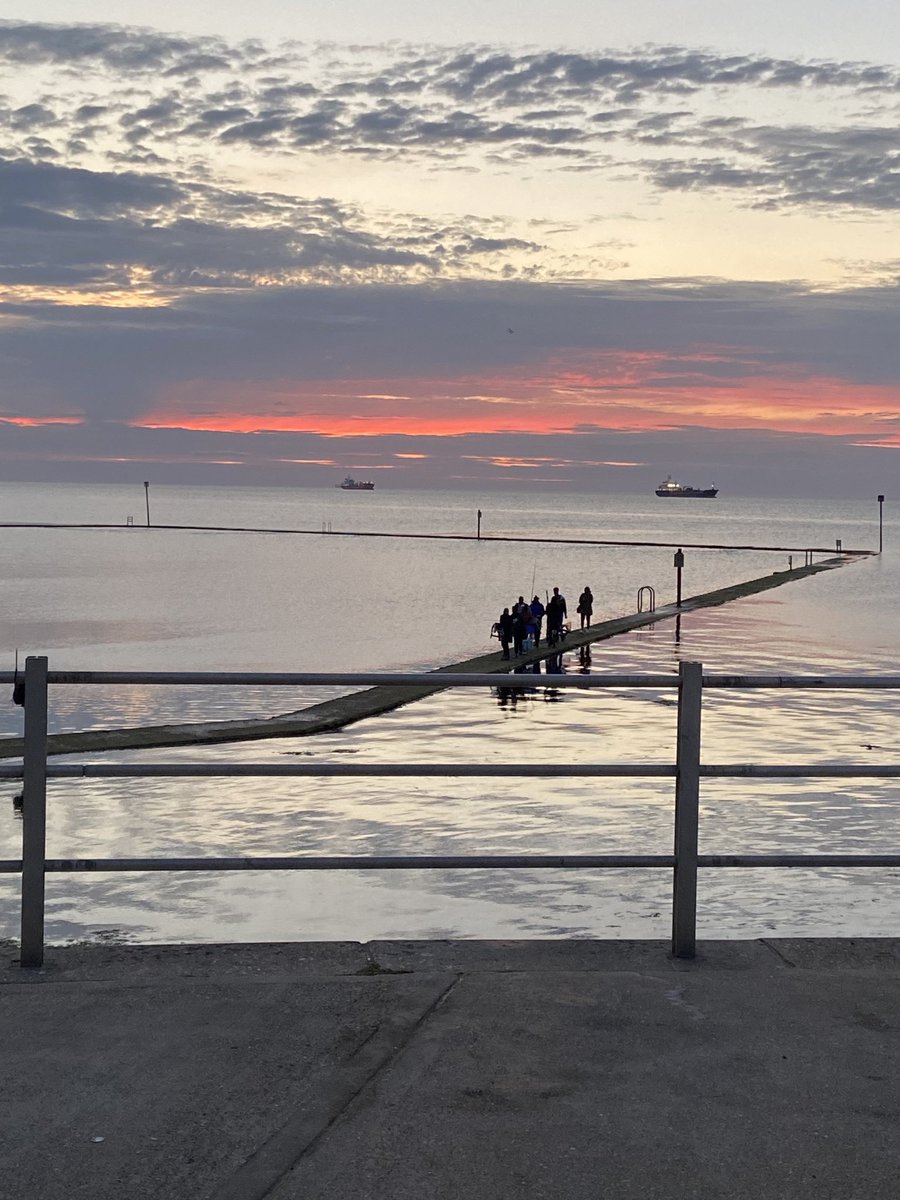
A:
(669, 487)
(356, 485)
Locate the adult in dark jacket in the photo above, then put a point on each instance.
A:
(586, 606)
(556, 611)
(505, 630)
(520, 627)
(537, 614)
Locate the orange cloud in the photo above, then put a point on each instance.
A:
(718, 388)
(31, 422)
(315, 462)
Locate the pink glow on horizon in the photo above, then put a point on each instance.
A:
(32, 422)
(720, 389)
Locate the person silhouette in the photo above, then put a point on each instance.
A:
(505, 624)
(586, 607)
(556, 612)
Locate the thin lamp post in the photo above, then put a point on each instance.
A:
(880, 523)
(147, 498)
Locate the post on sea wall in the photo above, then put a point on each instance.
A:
(687, 810)
(679, 567)
(34, 812)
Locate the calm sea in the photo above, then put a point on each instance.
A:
(133, 597)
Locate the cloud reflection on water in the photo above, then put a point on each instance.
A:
(802, 628)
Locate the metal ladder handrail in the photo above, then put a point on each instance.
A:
(652, 597)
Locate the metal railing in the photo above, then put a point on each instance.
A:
(687, 771)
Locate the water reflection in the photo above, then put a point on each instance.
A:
(554, 665)
(509, 698)
(798, 629)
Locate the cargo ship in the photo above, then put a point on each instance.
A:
(670, 488)
(356, 485)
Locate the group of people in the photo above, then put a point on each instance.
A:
(520, 625)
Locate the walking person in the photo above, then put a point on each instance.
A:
(586, 607)
(555, 611)
(505, 630)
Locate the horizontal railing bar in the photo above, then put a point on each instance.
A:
(439, 679)
(366, 770)
(210, 770)
(475, 862)
(799, 860)
(800, 771)
(837, 682)
(350, 862)
(456, 679)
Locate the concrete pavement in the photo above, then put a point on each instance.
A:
(418, 1070)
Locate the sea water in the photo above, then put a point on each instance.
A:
(164, 599)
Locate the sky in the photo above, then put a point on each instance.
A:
(501, 246)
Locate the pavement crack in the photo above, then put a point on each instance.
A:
(261, 1173)
(365, 1041)
(778, 953)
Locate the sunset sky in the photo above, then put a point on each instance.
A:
(507, 245)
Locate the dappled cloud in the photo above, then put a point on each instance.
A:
(439, 261)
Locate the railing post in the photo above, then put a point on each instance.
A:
(34, 812)
(687, 810)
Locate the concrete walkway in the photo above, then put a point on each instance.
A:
(412, 1071)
